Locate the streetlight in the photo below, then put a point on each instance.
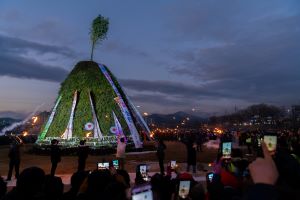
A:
(145, 113)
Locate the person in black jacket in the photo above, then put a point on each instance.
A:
(82, 153)
(55, 156)
(14, 160)
(161, 155)
(191, 155)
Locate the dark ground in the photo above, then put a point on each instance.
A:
(68, 165)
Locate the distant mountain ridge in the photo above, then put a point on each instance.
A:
(6, 121)
(163, 120)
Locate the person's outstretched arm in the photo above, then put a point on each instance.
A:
(264, 175)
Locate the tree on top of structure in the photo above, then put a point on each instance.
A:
(98, 31)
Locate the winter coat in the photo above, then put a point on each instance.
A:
(161, 150)
(191, 155)
(55, 154)
(83, 152)
(14, 153)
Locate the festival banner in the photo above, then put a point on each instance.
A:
(69, 130)
(97, 131)
(49, 122)
(139, 117)
(124, 109)
(119, 130)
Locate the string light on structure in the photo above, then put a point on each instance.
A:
(25, 133)
(88, 134)
(152, 134)
(218, 131)
(34, 119)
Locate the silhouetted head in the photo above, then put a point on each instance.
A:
(77, 179)
(197, 192)
(122, 140)
(53, 188)
(98, 180)
(31, 181)
(115, 191)
(156, 181)
(125, 175)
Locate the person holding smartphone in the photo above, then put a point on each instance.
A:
(121, 148)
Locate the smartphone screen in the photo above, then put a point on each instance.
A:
(226, 149)
(142, 192)
(146, 195)
(115, 164)
(173, 164)
(209, 177)
(271, 142)
(103, 165)
(184, 189)
(143, 169)
(258, 142)
(144, 172)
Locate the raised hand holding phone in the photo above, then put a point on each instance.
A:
(271, 143)
(184, 189)
(142, 192)
(263, 170)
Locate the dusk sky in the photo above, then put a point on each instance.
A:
(169, 55)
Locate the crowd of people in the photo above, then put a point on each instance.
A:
(271, 175)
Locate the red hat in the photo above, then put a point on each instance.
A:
(185, 176)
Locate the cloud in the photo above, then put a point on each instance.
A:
(11, 15)
(24, 68)
(224, 21)
(17, 46)
(19, 58)
(248, 51)
(175, 89)
(12, 114)
(169, 97)
(122, 49)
